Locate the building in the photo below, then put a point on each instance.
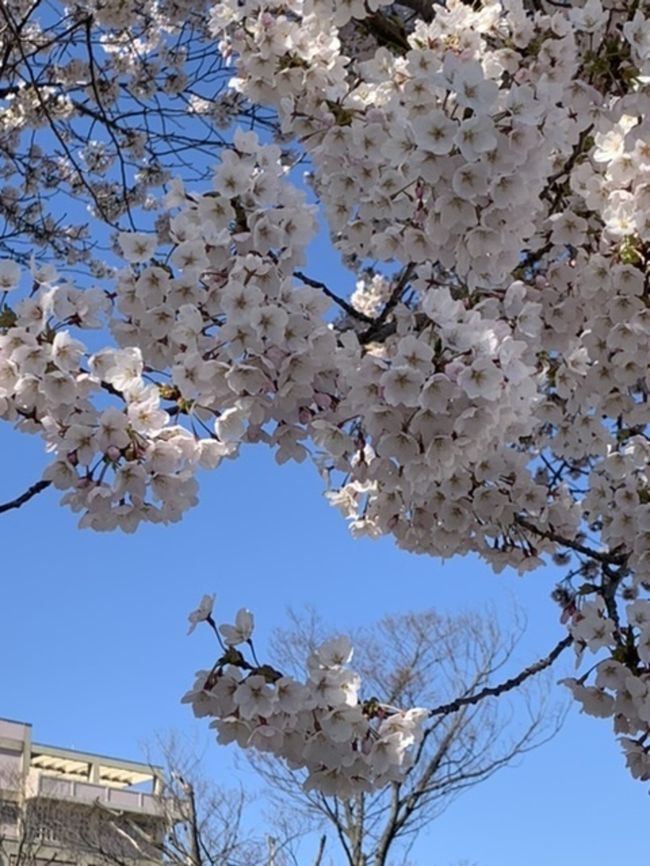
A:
(76, 808)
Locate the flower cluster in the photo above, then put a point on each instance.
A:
(105, 456)
(223, 324)
(347, 746)
(621, 686)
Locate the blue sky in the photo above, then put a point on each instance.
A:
(94, 651)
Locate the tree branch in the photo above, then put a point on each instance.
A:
(508, 685)
(551, 535)
(321, 850)
(34, 490)
(395, 297)
(343, 304)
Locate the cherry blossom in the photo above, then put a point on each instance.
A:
(202, 613)
(347, 745)
(479, 385)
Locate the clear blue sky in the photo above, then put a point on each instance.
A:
(94, 651)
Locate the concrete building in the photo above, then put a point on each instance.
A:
(76, 808)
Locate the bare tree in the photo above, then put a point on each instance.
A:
(205, 822)
(419, 659)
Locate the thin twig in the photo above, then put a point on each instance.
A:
(321, 850)
(508, 685)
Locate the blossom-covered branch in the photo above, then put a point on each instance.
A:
(347, 744)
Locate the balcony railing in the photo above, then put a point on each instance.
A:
(42, 785)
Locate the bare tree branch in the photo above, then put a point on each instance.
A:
(321, 850)
(508, 685)
(32, 491)
(343, 304)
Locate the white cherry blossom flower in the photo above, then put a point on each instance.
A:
(136, 246)
(254, 697)
(9, 275)
(242, 631)
(202, 613)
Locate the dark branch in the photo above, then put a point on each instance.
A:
(34, 490)
(551, 535)
(321, 850)
(508, 685)
(343, 304)
(395, 297)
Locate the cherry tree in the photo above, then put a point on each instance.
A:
(481, 385)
